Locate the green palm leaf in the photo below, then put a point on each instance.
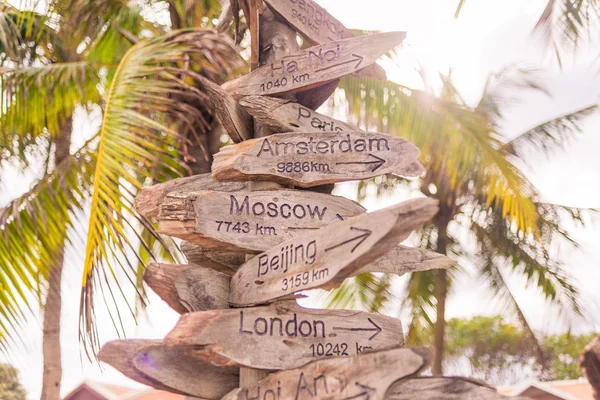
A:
(32, 228)
(36, 101)
(138, 143)
(550, 135)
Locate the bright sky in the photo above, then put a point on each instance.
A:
(489, 35)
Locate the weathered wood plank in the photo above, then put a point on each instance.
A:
(590, 362)
(162, 278)
(249, 221)
(222, 261)
(120, 354)
(309, 159)
(318, 26)
(283, 115)
(179, 369)
(364, 376)
(283, 335)
(202, 289)
(173, 369)
(317, 65)
(403, 260)
(325, 257)
(148, 200)
(426, 388)
(236, 121)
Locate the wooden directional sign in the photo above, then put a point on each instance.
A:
(447, 388)
(308, 159)
(173, 369)
(248, 221)
(365, 376)
(318, 26)
(403, 260)
(324, 258)
(149, 199)
(283, 335)
(282, 115)
(317, 65)
(312, 20)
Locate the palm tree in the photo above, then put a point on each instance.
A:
(483, 195)
(78, 55)
(563, 25)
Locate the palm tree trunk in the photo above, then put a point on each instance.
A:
(441, 292)
(51, 334)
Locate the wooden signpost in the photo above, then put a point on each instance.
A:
(248, 221)
(317, 65)
(304, 239)
(326, 257)
(283, 335)
(311, 159)
(344, 378)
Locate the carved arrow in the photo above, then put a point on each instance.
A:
(317, 259)
(375, 328)
(362, 377)
(357, 58)
(362, 237)
(378, 162)
(366, 394)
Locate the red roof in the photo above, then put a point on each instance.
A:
(90, 390)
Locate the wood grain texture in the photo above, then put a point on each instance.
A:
(318, 26)
(447, 388)
(249, 221)
(234, 118)
(222, 261)
(590, 362)
(403, 260)
(283, 115)
(283, 335)
(317, 65)
(120, 355)
(161, 279)
(309, 158)
(179, 369)
(364, 376)
(148, 200)
(172, 369)
(325, 257)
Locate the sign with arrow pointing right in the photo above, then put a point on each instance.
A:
(283, 335)
(361, 377)
(309, 158)
(325, 257)
(316, 66)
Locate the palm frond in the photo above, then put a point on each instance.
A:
(137, 142)
(33, 228)
(459, 7)
(35, 101)
(499, 87)
(370, 292)
(565, 24)
(550, 135)
(452, 139)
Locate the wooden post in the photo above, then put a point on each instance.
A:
(275, 40)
